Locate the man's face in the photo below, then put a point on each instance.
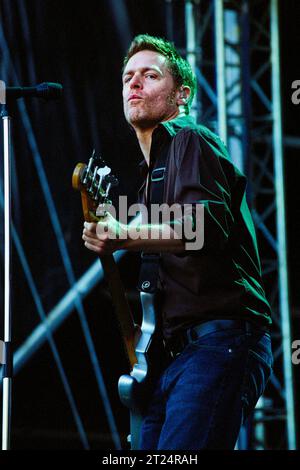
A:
(149, 92)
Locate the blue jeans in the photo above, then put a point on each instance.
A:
(207, 392)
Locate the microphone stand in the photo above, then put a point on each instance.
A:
(7, 359)
(47, 91)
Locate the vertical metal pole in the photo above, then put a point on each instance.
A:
(233, 75)
(190, 30)
(280, 223)
(259, 428)
(169, 20)
(246, 89)
(220, 69)
(7, 373)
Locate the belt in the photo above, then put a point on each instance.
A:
(175, 345)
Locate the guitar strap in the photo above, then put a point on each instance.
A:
(149, 271)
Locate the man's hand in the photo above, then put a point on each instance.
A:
(106, 236)
(109, 235)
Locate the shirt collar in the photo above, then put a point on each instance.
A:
(168, 129)
(179, 122)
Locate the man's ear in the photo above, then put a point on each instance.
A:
(182, 96)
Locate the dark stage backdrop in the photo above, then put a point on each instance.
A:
(81, 45)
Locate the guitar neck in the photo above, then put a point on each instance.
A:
(120, 302)
(111, 272)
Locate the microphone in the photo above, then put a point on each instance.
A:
(46, 90)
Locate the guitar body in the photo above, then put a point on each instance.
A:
(136, 388)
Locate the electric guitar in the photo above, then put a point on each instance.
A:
(95, 181)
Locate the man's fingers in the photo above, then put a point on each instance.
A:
(102, 228)
(99, 248)
(103, 242)
(93, 240)
(98, 242)
(95, 248)
(89, 234)
(90, 226)
(92, 247)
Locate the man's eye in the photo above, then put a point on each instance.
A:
(126, 79)
(151, 75)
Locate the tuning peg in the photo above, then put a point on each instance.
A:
(96, 159)
(111, 181)
(104, 171)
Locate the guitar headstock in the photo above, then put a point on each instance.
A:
(95, 182)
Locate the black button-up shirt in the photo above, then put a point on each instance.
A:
(223, 278)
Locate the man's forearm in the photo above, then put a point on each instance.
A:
(153, 238)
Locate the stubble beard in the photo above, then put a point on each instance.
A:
(144, 118)
(140, 118)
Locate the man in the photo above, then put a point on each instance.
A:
(215, 316)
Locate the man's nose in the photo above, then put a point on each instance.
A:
(135, 82)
